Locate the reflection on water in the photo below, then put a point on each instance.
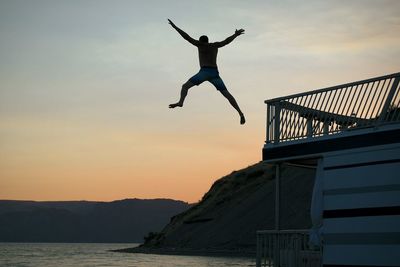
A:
(88, 255)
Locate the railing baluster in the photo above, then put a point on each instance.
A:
(258, 252)
(368, 115)
(345, 106)
(270, 245)
(361, 101)
(396, 106)
(389, 99)
(366, 106)
(356, 95)
(308, 103)
(382, 95)
(326, 108)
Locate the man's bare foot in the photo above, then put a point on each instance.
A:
(175, 105)
(242, 119)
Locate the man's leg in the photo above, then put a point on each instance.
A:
(234, 104)
(185, 88)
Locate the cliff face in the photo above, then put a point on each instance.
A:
(238, 205)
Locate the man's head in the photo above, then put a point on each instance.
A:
(203, 39)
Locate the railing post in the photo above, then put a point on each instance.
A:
(277, 252)
(269, 121)
(326, 128)
(258, 260)
(277, 123)
(309, 128)
(389, 99)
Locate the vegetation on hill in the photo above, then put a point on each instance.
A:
(234, 208)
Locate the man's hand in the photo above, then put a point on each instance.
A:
(183, 34)
(239, 32)
(171, 23)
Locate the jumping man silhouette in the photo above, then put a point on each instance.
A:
(208, 67)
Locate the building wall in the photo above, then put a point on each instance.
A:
(361, 207)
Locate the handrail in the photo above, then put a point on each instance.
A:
(355, 105)
(289, 231)
(393, 75)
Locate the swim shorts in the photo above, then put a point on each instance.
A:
(210, 74)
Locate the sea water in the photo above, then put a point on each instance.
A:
(89, 254)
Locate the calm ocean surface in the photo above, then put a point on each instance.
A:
(65, 254)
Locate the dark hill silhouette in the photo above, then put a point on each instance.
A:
(225, 221)
(126, 220)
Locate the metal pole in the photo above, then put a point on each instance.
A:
(258, 259)
(277, 196)
(268, 137)
(277, 215)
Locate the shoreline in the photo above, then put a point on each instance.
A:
(240, 253)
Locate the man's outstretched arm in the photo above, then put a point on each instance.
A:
(230, 38)
(183, 34)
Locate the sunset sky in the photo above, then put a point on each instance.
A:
(85, 87)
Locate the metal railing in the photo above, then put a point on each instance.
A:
(368, 103)
(286, 248)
